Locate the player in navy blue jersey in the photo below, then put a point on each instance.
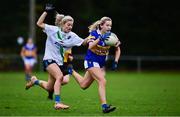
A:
(29, 56)
(95, 60)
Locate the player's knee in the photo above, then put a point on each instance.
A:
(50, 89)
(65, 81)
(59, 78)
(84, 86)
(102, 81)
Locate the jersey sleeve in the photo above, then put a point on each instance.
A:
(92, 36)
(76, 40)
(49, 29)
(90, 39)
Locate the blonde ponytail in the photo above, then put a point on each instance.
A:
(96, 25)
(61, 19)
(58, 19)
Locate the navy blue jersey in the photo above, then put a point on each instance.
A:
(30, 47)
(29, 50)
(99, 52)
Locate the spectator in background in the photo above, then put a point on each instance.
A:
(29, 56)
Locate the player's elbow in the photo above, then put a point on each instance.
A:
(38, 24)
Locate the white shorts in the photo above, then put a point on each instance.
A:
(29, 61)
(89, 64)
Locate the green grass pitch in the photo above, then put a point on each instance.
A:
(143, 94)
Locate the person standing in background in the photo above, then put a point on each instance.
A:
(29, 56)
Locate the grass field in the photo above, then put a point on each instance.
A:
(145, 94)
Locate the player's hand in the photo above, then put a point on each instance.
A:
(49, 8)
(70, 58)
(117, 44)
(114, 65)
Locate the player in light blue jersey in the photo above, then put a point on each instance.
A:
(59, 39)
(29, 56)
(95, 60)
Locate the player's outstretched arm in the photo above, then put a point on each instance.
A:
(41, 19)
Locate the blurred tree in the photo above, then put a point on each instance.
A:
(13, 22)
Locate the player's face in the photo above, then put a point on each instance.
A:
(30, 41)
(106, 26)
(67, 27)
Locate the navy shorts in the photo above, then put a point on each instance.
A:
(63, 68)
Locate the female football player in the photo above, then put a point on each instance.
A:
(95, 60)
(67, 59)
(59, 39)
(29, 56)
(67, 54)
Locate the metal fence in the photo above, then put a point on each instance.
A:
(138, 63)
(153, 62)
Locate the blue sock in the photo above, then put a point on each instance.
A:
(57, 98)
(104, 106)
(70, 70)
(36, 82)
